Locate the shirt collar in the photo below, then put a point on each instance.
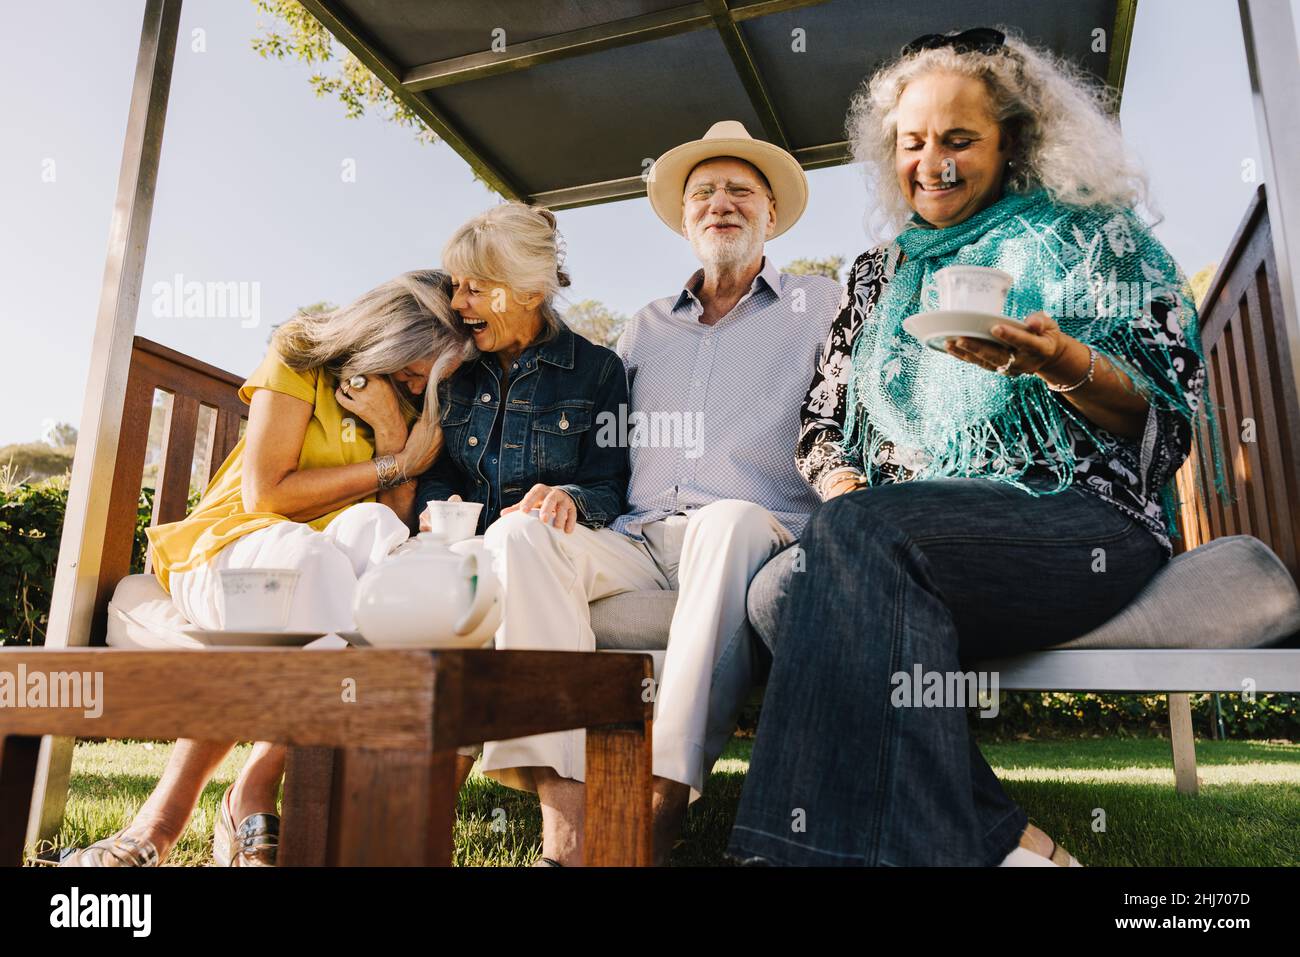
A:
(768, 276)
(558, 351)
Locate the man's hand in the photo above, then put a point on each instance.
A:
(555, 507)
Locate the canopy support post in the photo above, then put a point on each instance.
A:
(76, 581)
(1273, 58)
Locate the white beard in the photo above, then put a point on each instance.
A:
(722, 253)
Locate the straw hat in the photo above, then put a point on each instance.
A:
(728, 138)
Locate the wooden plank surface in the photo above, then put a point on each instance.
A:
(17, 778)
(618, 825)
(392, 808)
(284, 695)
(520, 693)
(170, 503)
(1182, 740)
(305, 808)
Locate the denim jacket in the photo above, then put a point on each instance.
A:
(554, 399)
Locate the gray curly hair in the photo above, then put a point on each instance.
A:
(1061, 124)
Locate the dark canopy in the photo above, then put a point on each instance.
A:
(562, 102)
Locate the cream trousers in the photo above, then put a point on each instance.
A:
(330, 561)
(708, 556)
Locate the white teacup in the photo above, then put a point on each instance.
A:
(452, 521)
(256, 599)
(973, 289)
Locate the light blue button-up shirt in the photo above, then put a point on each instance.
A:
(715, 409)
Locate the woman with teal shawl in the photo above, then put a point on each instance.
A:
(999, 498)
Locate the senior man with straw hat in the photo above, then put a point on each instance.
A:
(717, 373)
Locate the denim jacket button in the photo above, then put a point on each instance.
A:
(564, 421)
(473, 440)
(487, 396)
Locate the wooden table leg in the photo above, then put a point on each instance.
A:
(619, 823)
(305, 811)
(17, 778)
(392, 808)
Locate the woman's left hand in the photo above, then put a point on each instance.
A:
(555, 507)
(1031, 349)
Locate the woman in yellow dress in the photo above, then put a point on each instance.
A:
(341, 421)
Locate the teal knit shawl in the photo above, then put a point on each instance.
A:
(1095, 271)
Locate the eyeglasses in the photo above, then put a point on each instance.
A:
(981, 39)
(705, 192)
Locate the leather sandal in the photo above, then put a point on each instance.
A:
(1060, 856)
(120, 850)
(254, 843)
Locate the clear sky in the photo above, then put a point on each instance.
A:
(251, 191)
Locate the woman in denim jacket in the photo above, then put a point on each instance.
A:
(521, 424)
(528, 431)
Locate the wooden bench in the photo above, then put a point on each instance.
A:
(367, 782)
(1253, 392)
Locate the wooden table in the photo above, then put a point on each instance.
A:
(375, 730)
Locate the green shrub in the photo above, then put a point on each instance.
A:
(31, 522)
(1048, 712)
(1052, 713)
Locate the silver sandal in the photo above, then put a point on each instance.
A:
(254, 843)
(120, 850)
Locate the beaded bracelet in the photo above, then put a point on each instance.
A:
(1092, 367)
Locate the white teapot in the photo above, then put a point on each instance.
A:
(431, 594)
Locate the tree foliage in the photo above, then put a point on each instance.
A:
(294, 34)
(595, 321)
(829, 267)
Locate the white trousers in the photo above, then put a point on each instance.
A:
(709, 556)
(330, 561)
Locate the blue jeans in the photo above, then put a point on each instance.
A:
(937, 574)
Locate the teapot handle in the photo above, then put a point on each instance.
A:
(485, 593)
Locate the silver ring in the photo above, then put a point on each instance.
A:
(357, 382)
(1005, 368)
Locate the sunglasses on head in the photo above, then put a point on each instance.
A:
(981, 39)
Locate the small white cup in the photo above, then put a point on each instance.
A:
(452, 521)
(973, 289)
(256, 599)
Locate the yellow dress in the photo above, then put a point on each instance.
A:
(334, 437)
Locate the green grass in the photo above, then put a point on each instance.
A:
(1247, 814)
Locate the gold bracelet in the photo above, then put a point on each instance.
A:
(390, 473)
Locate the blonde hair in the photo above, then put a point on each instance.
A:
(517, 246)
(1060, 122)
(398, 322)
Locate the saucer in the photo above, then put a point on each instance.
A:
(252, 639)
(935, 328)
